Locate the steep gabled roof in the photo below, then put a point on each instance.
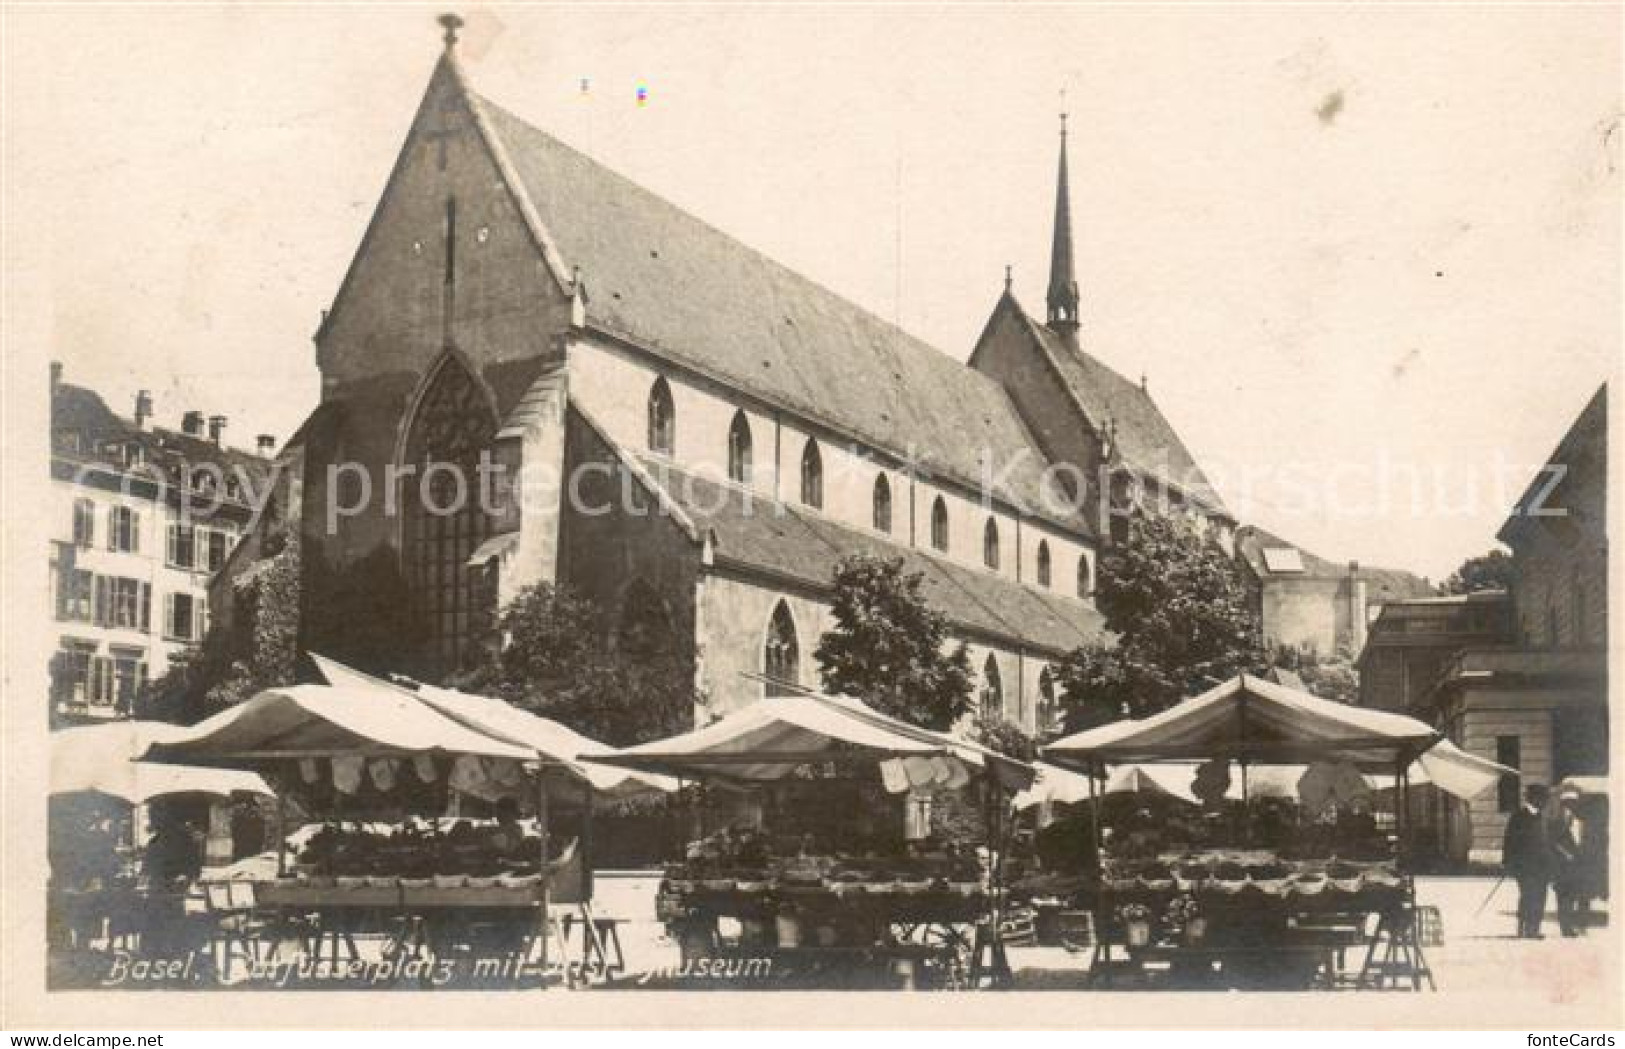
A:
(1383, 585)
(1145, 442)
(664, 280)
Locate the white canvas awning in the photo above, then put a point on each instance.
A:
(769, 739)
(101, 759)
(1250, 719)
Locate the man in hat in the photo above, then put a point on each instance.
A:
(1569, 841)
(1526, 853)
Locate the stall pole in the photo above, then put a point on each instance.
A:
(546, 881)
(589, 796)
(1246, 806)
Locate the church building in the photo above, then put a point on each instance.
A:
(693, 435)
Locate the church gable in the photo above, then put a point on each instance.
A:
(448, 259)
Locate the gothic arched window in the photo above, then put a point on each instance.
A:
(882, 509)
(739, 449)
(992, 697)
(939, 525)
(662, 418)
(990, 543)
(1043, 562)
(812, 475)
(444, 520)
(1086, 576)
(781, 653)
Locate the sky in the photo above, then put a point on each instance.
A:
(1373, 248)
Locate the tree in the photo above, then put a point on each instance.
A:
(1490, 571)
(1182, 621)
(1333, 677)
(554, 652)
(890, 648)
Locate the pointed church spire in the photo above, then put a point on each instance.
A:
(1063, 283)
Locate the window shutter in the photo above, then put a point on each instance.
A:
(173, 544)
(135, 532)
(200, 618)
(169, 615)
(103, 602)
(112, 527)
(144, 597)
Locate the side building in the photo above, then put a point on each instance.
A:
(1517, 677)
(143, 516)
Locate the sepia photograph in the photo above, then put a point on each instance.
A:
(808, 516)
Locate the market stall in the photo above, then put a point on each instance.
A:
(375, 758)
(113, 882)
(851, 844)
(1303, 879)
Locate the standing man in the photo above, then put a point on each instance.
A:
(1569, 834)
(1526, 853)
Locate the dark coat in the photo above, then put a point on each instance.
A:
(1526, 851)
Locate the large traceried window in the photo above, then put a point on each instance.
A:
(882, 507)
(939, 525)
(1086, 577)
(441, 505)
(812, 475)
(1049, 711)
(662, 418)
(739, 449)
(781, 652)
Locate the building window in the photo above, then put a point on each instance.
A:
(444, 521)
(70, 673)
(123, 530)
(182, 546)
(84, 523)
(1508, 752)
(992, 695)
(75, 594)
(882, 504)
(781, 656)
(662, 418)
(129, 673)
(812, 475)
(990, 543)
(1086, 577)
(739, 449)
(1043, 562)
(939, 525)
(219, 545)
(183, 617)
(124, 604)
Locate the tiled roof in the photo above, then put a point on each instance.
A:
(669, 282)
(1145, 440)
(757, 534)
(103, 435)
(1383, 585)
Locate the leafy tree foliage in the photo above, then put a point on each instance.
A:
(557, 654)
(1490, 571)
(1332, 677)
(360, 613)
(889, 648)
(1180, 613)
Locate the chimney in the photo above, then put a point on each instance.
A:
(217, 426)
(192, 424)
(56, 376)
(265, 443)
(1357, 614)
(143, 408)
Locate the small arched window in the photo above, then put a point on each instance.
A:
(812, 475)
(990, 543)
(1043, 562)
(882, 509)
(662, 418)
(781, 652)
(739, 449)
(992, 696)
(1086, 576)
(939, 525)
